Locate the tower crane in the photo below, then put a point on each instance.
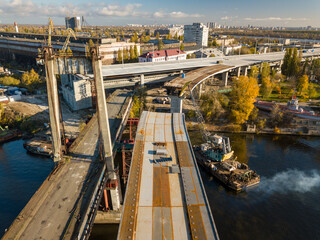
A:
(65, 45)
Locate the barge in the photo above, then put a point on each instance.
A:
(216, 157)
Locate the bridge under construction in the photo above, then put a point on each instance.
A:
(165, 197)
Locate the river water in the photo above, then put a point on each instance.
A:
(21, 174)
(284, 206)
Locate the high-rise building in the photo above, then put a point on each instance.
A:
(197, 32)
(74, 23)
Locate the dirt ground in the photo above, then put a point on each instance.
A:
(36, 107)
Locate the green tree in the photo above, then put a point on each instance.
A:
(286, 62)
(181, 47)
(244, 92)
(294, 64)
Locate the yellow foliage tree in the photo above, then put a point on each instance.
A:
(266, 87)
(30, 79)
(303, 85)
(9, 81)
(244, 92)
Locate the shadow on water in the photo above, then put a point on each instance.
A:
(104, 231)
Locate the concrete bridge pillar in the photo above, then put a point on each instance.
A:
(141, 79)
(104, 129)
(245, 71)
(225, 76)
(54, 106)
(199, 91)
(176, 104)
(280, 63)
(238, 71)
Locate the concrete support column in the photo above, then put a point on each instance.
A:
(225, 76)
(199, 90)
(54, 108)
(176, 104)
(244, 71)
(104, 129)
(238, 71)
(280, 63)
(142, 79)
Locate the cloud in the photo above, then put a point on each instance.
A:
(229, 18)
(161, 14)
(30, 8)
(276, 19)
(118, 10)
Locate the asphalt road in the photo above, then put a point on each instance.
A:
(50, 215)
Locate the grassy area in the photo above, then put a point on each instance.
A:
(286, 94)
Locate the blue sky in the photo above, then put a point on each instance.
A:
(232, 12)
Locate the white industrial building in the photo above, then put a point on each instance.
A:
(76, 91)
(197, 32)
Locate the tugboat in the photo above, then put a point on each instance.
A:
(216, 156)
(218, 159)
(39, 146)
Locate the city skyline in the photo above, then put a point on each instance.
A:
(233, 13)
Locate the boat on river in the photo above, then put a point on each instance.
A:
(292, 107)
(218, 159)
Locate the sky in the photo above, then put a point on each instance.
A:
(285, 13)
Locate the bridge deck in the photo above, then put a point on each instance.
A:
(165, 198)
(196, 75)
(53, 212)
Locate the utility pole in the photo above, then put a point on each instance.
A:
(104, 129)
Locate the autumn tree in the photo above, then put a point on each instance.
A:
(30, 79)
(9, 81)
(181, 47)
(303, 85)
(244, 92)
(119, 58)
(254, 72)
(158, 36)
(265, 71)
(132, 55)
(266, 87)
(136, 51)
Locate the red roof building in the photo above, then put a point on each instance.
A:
(163, 55)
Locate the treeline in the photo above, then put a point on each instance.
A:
(128, 55)
(30, 80)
